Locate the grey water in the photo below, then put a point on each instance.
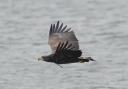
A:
(100, 25)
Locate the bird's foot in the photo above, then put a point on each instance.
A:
(89, 58)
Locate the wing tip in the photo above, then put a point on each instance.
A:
(58, 27)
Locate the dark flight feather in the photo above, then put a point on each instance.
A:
(64, 49)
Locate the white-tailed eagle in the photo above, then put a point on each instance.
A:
(64, 45)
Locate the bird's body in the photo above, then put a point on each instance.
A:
(60, 60)
(64, 45)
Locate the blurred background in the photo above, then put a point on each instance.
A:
(102, 30)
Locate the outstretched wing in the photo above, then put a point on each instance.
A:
(64, 50)
(59, 33)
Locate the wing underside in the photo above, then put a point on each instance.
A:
(60, 33)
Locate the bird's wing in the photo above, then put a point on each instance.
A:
(64, 50)
(59, 33)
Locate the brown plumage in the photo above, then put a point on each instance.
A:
(64, 45)
(59, 33)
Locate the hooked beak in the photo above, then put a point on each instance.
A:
(39, 59)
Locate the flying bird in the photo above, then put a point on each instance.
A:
(64, 45)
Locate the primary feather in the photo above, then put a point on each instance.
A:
(59, 33)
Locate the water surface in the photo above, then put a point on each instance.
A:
(102, 30)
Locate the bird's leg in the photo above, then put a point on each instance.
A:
(81, 58)
(59, 65)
